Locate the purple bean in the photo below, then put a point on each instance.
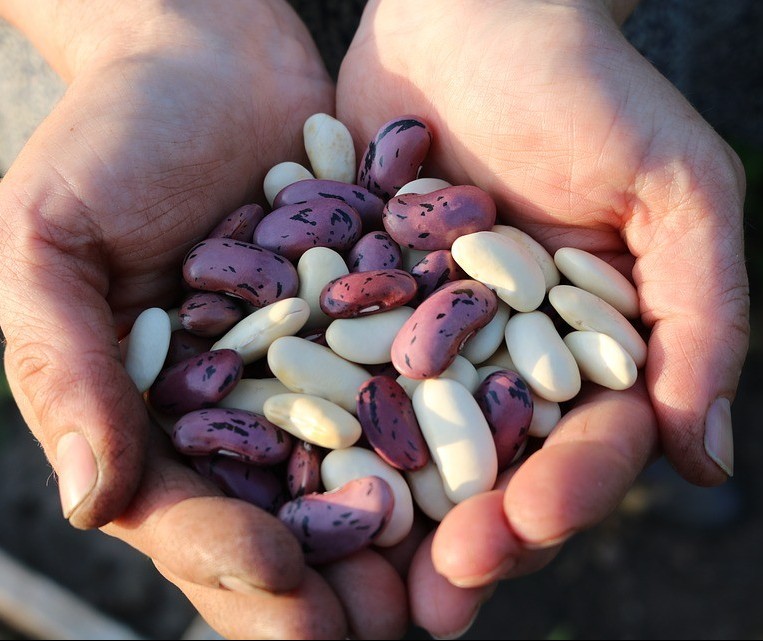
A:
(369, 206)
(394, 156)
(237, 433)
(184, 345)
(240, 224)
(507, 404)
(333, 525)
(431, 338)
(364, 293)
(291, 230)
(375, 250)
(386, 415)
(240, 269)
(209, 314)
(433, 221)
(303, 470)
(260, 486)
(196, 382)
(433, 271)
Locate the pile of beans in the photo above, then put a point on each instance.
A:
(372, 343)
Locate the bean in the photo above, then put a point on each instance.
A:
(291, 230)
(375, 250)
(335, 524)
(240, 269)
(209, 314)
(432, 337)
(197, 382)
(362, 293)
(240, 224)
(435, 220)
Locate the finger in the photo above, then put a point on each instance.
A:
(63, 362)
(181, 520)
(438, 606)
(310, 611)
(693, 285)
(500, 554)
(373, 595)
(584, 469)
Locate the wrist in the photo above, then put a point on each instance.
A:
(73, 35)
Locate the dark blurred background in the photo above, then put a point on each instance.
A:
(673, 562)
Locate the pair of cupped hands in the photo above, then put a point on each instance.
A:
(172, 117)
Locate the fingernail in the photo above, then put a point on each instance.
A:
(236, 584)
(77, 471)
(478, 580)
(719, 439)
(462, 631)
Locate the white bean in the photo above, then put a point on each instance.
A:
(147, 347)
(282, 175)
(602, 359)
(367, 339)
(543, 258)
(251, 393)
(252, 335)
(541, 357)
(316, 268)
(458, 437)
(330, 149)
(429, 492)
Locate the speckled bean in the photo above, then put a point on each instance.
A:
(209, 314)
(394, 156)
(303, 470)
(240, 269)
(197, 382)
(433, 271)
(260, 486)
(375, 250)
(433, 221)
(386, 415)
(507, 404)
(432, 337)
(340, 466)
(240, 224)
(335, 524)
(184, 345)
(362, 293)
(242, 435)
(291, 230)
(369, 206)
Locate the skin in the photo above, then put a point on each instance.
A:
(158, 138)
(582, 143)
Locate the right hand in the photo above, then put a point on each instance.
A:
(172, 117)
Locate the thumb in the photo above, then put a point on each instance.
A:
(694, 292)
(63, 361)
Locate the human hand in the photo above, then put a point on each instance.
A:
(582, 143)
(173, 115)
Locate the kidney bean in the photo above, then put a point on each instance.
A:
(433, 271)
(291, 230)
(375, 250)
(507, 404)
(196, 382)
(431, 338)
(361, 293)
(240, 224)
(386, 415)
(369, 206)
(303, 470)
(184, 345)
(260, 486)
(433, 221)
(394, 156)
(240, 269)
(335, 524)
(209, 314)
